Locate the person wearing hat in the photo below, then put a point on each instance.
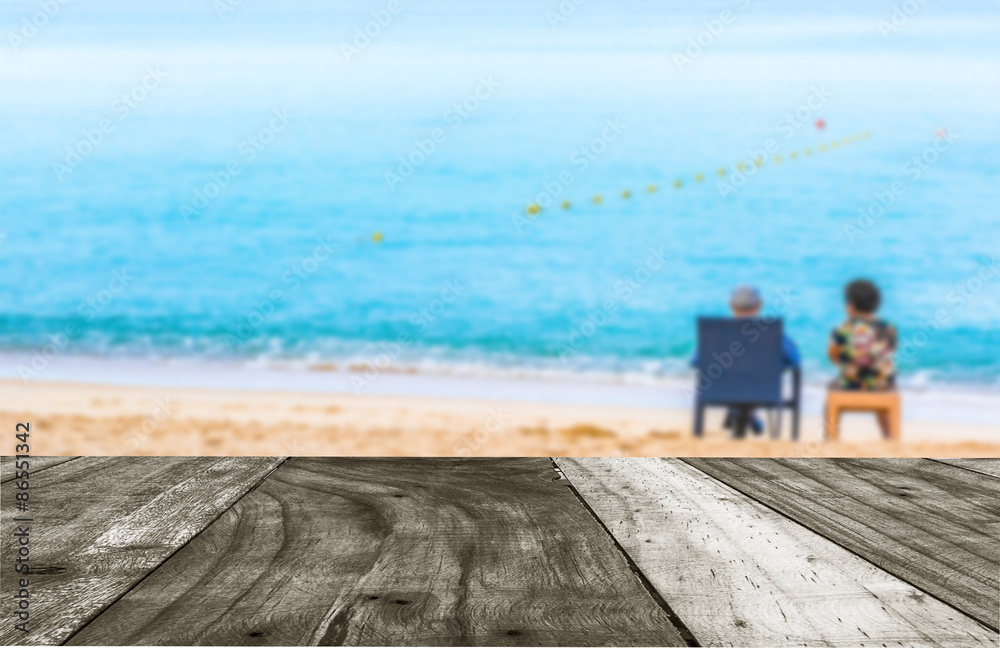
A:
(745, 302)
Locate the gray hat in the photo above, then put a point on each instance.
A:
(745, 298)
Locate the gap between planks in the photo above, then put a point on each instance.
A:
(222, 512)
(987, 467)
(724, 610)
(760, 498)
(471, 552)
(48, 462)
(685, 632)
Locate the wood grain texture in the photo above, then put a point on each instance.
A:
(739, 574)
(989, 467)
(933, 525)
(100, 524)
(35, 464)
(395, 552)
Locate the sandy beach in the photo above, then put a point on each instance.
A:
(100, 419)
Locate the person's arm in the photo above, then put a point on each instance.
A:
(893, 336)
(835, 351)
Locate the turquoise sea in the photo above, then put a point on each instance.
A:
(236, 182)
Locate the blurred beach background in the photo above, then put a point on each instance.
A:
(263, 199)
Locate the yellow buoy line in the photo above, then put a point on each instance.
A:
(533, 209)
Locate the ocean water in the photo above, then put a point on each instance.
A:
(264, 194)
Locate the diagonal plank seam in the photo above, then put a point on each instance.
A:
(101, 611)
(744, 492)
(35, 472)
(684, 631)
(963, 467)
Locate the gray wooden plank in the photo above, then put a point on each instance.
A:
(100, 524)
(35, 464)
(989, 467)
(737, 573)
(933, 525)
(395, 552)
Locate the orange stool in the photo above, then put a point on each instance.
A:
(839, 400)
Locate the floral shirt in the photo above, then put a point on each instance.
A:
(866, 347)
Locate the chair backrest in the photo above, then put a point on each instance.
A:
(740, 360)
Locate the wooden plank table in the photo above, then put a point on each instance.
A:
(101, 524)
(35, 464)
(985, 466)
(395, 551)
(740, 574)
(931, 524)
(360, 551)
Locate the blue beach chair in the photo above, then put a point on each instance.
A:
(741, 363)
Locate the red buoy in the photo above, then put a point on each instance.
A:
(820, 124)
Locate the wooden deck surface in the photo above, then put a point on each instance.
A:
(984, 466)
(396, 551)
(38, 464)
(740, 574)
(931, 524)
(101, 524)
(365, 551)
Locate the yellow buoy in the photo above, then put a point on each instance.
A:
(566, 204)
(626, 194)
(758, 162)
(822, 148)
(847, 140)
(651, 188)
(794, 155)
(721, 171)
(377, 237)
(698, 177)
(598, 200)
(777, 159)
(856, 137)
(678, 184)
(741, 166)
(834, 144)
(808, 151)
(866, 134)
(532, 209)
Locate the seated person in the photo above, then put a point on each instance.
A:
(863, 346)
(746, 302)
